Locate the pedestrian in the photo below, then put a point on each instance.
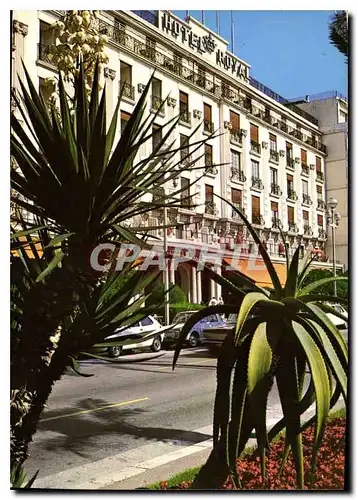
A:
(213, 302)
(220, 301)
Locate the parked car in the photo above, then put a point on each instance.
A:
(340, 323)
(195, 336)
(144, 328)
(215, 335)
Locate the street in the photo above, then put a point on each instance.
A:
(142, 406)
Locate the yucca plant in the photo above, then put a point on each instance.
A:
(81, 189)
(280, 333)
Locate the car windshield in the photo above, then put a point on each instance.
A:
(182, 317)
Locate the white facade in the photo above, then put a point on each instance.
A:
(188, 57)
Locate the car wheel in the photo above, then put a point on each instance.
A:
(157, 344)
(114, 351)
(194, 339)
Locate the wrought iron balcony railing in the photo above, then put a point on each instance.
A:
(236, 136)
(157, 103)
(237, 175)
(276, 223)
(128, 90)
(208, 126)
(258, 220)
(275, 189)
(291, 195)
(306, 199)
(292, 226)
(320, 176)
(305, 169)
(274, 155)
(307, 230)
(322, 233)
(290, 162)
(255, 147)
(210, 208)
(234, 214)
(257, 183)
(185, 116)
(321, 205)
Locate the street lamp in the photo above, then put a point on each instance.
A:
(333, 219)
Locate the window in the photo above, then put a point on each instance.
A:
(183, 103)
(274, 210)
(46, 34)
(45, 90)
(255, 206)
(157, 88)
(305, 216)
(208, 155)
(291, 214)
(318, 164)
(305, 187)
(146, 321)
(185, 191)
(289, 183)
(255, 169)
(235, 159)
(319, 193)
(124, 119)
(207, 118)
(254, 133)
(150, 47)
(126, 73)
(303, 157)
(273, 142)
(289, 153)
(157, 136)
(209, 194)
(236, 196)
(320, 220)
(273, 175)
(235, 120)
(184, 144)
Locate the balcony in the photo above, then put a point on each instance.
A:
(258, 220)
(306, 200)
(256, 183)
(297, 134)
(275, 190)
(307, 230)
(305, 169)
(128, 90)
(322, 233)
(320, 176)
(208, 126)
(237, 175)
(255, 147)
(274, 155)
(44, 53)
(321, 205)
(276, 223)
(157, 103)
(210, 208)
(236, 137)
(292, 227)
(234, 214)
(257, 112)
(291, 195)
(185, 116)
(290, 163)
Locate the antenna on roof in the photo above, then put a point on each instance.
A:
(218, 22)
(202, 17)
(232, 31)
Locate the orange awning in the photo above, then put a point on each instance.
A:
(27, 248)
(255, 269)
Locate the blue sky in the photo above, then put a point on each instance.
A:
(289, 51)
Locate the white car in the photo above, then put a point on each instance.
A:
(338, 322)
(144, 328)
(195, 336)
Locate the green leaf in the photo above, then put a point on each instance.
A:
(76, 368)
(18, 234)
(312, 286)
(291, 281)
(58, 239)
(260, 358)
(51, 266)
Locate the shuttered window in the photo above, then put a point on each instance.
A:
(157, 136)
(255, 169)
(303, 156)
(274, 206)
(273, 142)
(289, 150)
(236, 196)
(124, 119)
(254, 133)
(318, 164)
(319, 192)
(305, 187)
(235, 158)
(320, 220)
(273, 176)
(184, 144)
(184, 184)
(209, 196)
(235, 120)
(207, 112)
(291, 214)
(208, 155)
(305, 215)
(183, 101)
(255, 205)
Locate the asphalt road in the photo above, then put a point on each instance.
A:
(125, 405)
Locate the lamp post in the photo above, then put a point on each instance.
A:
(333, 219)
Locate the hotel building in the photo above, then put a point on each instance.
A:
(270, 154)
